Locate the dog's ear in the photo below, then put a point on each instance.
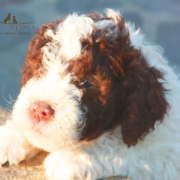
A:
(139, 94)
(144, 100)
(134, 99)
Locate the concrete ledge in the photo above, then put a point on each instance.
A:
(26, 170)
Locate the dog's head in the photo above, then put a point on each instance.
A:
(83, 78)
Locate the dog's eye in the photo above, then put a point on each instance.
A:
(85, 83)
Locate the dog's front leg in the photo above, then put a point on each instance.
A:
(14, 146)
(78, 164)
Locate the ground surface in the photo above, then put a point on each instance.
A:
(27, 170)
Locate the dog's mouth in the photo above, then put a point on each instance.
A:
(38, 131)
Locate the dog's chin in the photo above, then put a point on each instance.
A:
(45, 137)
(50, 143)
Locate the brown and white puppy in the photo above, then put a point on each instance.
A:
(100, 99)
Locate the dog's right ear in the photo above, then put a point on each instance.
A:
(34, 56)
(139, 95)
(144, 98)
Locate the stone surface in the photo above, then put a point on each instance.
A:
(27, 170)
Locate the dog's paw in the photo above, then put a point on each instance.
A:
(67, 165)
(13, 145)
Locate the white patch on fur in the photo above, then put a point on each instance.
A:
(66, 40)
(68, 165)
(109, 26)
(115, 15)
(56, 89)
(14, 146)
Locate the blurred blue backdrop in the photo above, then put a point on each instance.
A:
(159, 20)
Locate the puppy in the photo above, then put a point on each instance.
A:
(100, 99)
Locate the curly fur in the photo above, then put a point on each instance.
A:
(115, 101)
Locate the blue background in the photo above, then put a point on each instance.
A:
(159, 20)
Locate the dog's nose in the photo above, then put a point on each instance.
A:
(41, 111)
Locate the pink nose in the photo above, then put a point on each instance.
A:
(41, 111)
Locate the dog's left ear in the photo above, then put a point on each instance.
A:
(137, 91)
(144, 100)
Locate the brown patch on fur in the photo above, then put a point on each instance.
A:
(125, 90)
(33, 61)
(102, 43)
